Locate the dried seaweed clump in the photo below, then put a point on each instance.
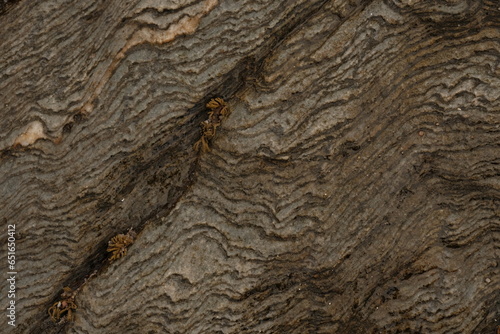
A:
(219, 111)
(118, 244)
(63, 309)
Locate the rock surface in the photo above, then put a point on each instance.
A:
(355, 187)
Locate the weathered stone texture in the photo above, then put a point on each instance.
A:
(355, 187)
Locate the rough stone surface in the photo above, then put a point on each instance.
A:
(355, 187)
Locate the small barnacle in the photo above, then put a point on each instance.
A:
(67, 293)
(118, 244)
(219, 111)
(63, 310)
(202, 144)
(216, 103)
(209, 129)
